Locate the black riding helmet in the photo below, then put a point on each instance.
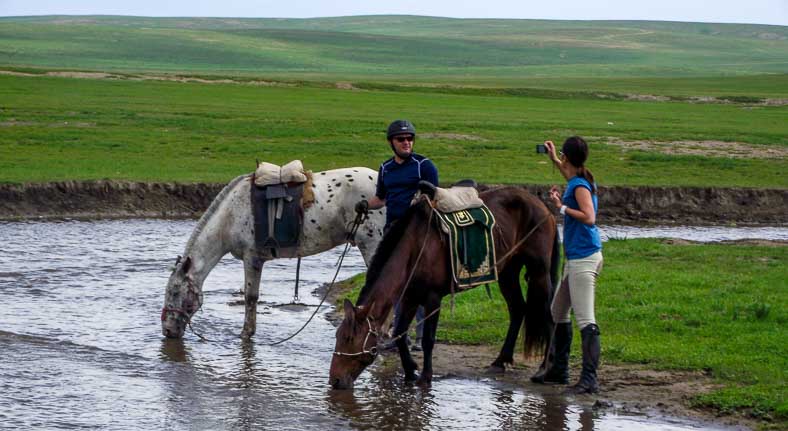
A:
(400, 127)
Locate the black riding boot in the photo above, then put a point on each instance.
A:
(559, 354)
(591, 349)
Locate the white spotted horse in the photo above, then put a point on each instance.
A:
(227, 226)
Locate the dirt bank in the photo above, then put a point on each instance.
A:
(104, 199)
(112, 199)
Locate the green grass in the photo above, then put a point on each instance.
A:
(80, 129)
(660, 304)
(490, 52)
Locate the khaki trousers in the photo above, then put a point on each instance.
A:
(576, 291)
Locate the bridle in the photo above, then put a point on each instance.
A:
(373, 351)
(180, 311)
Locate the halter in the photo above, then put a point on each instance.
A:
(181, 311)
(364, 351)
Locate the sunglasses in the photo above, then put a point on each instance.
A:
(402, 139)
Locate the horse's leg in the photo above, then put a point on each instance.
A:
(253, 268)
(409, 366)
(509, 282)
(428, 338)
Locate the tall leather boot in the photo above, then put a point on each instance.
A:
(591, 349)
(559, 353)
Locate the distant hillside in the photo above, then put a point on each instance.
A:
(393, 48)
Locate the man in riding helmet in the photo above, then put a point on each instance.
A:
(398, 180)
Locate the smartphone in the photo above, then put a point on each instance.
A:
(541, 149)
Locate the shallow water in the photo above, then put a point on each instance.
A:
(81, 347)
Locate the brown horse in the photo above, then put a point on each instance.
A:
(416, 247)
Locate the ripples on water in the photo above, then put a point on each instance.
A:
(81, 347)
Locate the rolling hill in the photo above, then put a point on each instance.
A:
(394, 48)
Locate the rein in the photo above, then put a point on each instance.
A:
(410, 277)
(519, 243)
(360, 219)
(498, 262)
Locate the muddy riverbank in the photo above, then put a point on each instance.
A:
(625, 388)
(112, 199)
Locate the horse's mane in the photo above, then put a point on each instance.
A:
(212, 209)
(387, 246)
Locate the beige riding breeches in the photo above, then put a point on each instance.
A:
(576, 291)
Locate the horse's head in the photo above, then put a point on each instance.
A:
(181, 300)
(356, 346)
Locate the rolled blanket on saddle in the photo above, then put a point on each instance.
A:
(268, 174)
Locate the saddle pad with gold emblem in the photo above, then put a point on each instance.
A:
(471, 245)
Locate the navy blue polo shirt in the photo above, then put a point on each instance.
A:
(398, 183)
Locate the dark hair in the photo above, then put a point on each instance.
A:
(576, 151)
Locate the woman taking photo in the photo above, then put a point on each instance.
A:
(583, 251)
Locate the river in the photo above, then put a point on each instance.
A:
(81, 348)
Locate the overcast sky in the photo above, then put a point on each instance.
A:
(740, 11)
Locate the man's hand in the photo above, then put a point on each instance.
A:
(362, 207)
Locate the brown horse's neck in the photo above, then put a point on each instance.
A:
(382, 293)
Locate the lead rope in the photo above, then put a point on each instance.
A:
(189, 322)
(298, 274)
(360, 219)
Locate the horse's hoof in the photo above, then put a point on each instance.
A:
(411, 377)
(424, 383)
(496, 369)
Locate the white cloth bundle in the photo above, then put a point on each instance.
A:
(269, 173)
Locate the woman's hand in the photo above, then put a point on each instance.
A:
(555, 195)
(551, 152)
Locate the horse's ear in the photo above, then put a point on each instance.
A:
(427, 188)
(187, 264)
(350, 310)
(363, 311)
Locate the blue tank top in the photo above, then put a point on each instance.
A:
(580, 239)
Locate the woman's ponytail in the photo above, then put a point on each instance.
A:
(586, 173)
(576, 150)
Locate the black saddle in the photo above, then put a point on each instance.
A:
(278, 216)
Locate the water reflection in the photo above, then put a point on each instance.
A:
(174, 350)
(384, 404)
(62, 352)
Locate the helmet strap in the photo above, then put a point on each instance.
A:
(397, 153)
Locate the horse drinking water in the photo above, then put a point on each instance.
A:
(227, 226)
(413, 264)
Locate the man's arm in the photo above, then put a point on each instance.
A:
(429, 172)
(379, 200)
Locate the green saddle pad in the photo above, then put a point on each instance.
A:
(471, 245)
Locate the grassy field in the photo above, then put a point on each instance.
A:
(481, 92)
(62, 129)
(658, 304)
(490, 52)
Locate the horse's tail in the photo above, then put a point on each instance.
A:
(538, 320)
(555, 264)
